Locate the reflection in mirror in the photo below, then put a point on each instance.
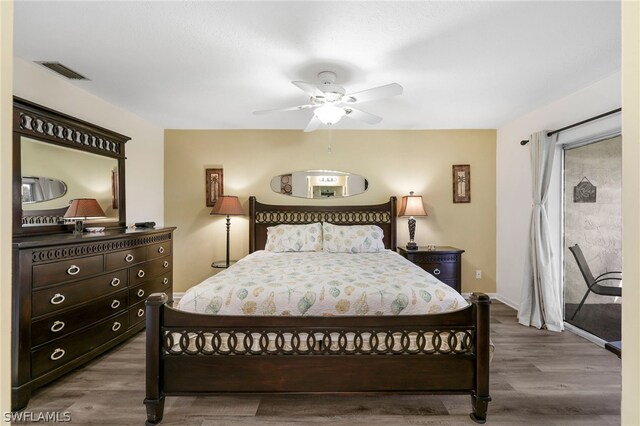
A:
(83, 174)
(319, 184)
(36, 189)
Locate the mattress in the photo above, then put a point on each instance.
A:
(322, 284)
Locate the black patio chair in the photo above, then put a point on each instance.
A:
(593, 284)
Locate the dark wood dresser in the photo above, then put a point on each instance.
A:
(74, 297)
(444, 263)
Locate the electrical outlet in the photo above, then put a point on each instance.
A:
(478, 274)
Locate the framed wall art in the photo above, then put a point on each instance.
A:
(213, 182)
(461, 183)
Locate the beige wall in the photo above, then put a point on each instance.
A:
(631, 211)
(6, 108)
(394, 162)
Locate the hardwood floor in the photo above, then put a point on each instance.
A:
(537, 378)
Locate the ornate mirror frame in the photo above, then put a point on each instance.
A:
(50, 126)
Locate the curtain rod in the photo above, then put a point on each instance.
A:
(553, 132)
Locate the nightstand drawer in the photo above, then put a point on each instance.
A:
(444, 263)
(442, 271)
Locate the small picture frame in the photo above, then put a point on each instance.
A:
(461, 183)
(214, 185)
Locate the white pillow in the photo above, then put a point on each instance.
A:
(284, 238)
(352, 238)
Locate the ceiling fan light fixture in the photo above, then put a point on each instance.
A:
(329, 114)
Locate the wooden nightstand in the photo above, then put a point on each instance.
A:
(444, 263)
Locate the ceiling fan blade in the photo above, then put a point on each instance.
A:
(295, 108)
(385, 91)
(310, 89)
(313, 124)
(360, 115)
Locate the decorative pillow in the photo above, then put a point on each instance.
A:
(352, 238)
(283, 238)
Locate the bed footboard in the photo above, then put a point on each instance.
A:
(192, 354)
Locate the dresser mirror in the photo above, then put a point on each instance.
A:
(319, 184)
(58, 158)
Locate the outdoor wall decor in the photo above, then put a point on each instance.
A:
(213, 180)
(461, 183)
(584, 192)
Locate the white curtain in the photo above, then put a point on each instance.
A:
(541, 299)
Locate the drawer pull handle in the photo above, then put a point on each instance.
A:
(436, 271)
(128, 258)
(57, 299)
(165, 263)
(165, 281)
(73, 270)
(116, 326)
(161, 250)
(140, 312)
(140, 293)
(57, 354)
(57, 326)
(140, 273)
(115, 282)
(115, 304)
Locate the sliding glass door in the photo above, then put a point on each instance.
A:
(593, 224)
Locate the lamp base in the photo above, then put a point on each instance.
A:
(412, 246)
(78, 228)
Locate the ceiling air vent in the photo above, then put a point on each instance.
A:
(63, 70)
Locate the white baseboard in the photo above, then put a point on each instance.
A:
(499, 298)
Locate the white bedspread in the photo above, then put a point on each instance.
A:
(322, 284)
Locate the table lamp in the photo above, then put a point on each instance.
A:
(82, 209)
(227, 205)
(412, 206)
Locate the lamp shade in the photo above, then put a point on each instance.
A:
(329, 113)
(227, 205)
(84, 208)
(412, 206)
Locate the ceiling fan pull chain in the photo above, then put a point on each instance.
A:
(329, 149)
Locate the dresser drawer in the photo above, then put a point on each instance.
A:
(67, 349)
(67, 270)
(124, 258)
(62, 323)
(141, 273)
(154, 285)
(66, 295)
(158, 250)
(137, 313)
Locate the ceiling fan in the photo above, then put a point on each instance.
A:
(330, 102)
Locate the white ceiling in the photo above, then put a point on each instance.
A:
(208, 65)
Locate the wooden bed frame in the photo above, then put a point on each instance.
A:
(312, 354)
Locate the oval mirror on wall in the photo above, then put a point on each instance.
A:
(319, 184)
(36, 189)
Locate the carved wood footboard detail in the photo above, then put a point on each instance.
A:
(190, 354)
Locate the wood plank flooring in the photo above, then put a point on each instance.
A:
(537, 378)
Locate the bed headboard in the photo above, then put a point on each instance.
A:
(262, 216)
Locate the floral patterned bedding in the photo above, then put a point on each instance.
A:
(322, 284)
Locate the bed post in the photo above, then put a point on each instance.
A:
(480, 396)
(394, 213)
(154, 399)
(252, 224)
